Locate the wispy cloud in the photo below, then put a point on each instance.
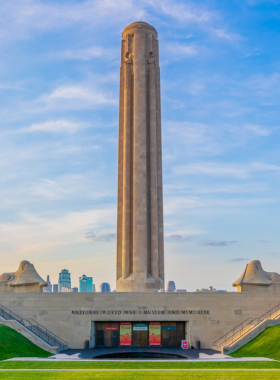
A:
(259, 130)
(78, 97)
(231, 37)
(212, 243)
(263, 85)
(187, 12)
(86, 54)
(263, 241)
(33, 232)
(239, 259)
(180, 51)
(178, 237)
(108, 237)
(21, 18)
(221, 169)
(55, 126)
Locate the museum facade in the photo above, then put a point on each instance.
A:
(140, 319)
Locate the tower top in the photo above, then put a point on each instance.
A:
(139, 25)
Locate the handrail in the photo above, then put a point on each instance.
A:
(30, 324)
(241, 325)
(254, 322)
(46, 330)
(13, 315)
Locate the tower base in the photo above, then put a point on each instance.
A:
(130, 284)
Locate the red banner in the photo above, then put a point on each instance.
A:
(125, 333)
(154, 334)
(111, 328)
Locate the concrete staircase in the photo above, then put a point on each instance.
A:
(246, 331)
(32, 330)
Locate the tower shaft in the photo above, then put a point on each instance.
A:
(140, 251)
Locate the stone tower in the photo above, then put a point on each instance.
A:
(140, 251)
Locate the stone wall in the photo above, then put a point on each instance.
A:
(69, 315)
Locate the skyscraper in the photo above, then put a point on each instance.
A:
(55, 288)
(64, 280)
(140, 251)
(171, 287)
(85, 283)
(49, 287)
(104, 287)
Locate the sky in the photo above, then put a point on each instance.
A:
(220, 87)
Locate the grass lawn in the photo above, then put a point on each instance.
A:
(213, 375)
(136, 365)
(13, 344)
(266, 344)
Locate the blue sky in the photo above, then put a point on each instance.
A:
(220, 87)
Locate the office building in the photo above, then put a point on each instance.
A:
(171, 287)
(104, 287)
(49, 287)
(64, 280)
(65, 290)
(85, 284)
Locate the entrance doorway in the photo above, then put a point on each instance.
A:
(172, 333)
(140, 334)
(107, 334)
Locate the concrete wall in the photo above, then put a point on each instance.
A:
(209, 316)
(29, 335)
(250, 336)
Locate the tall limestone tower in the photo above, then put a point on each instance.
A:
(140, 256)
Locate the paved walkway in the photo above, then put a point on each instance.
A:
(202, 358)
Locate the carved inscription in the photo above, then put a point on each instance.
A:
(142, 312)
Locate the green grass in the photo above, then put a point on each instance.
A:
(13, 344)
(137, 365)
(142, 375)
(267, 344)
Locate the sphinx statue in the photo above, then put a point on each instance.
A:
(25, 279)
(255, 279)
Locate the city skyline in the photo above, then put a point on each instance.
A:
(59, 89)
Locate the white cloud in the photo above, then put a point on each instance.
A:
(231, 37)
(87, 54)
(20, 18)
(55, 126)
(180, 50)
(196, 138)
(235, 170)
(177, 206)
(78, 97)
(259, 130)
(38, 233)
(186, 12)
(263, 85)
